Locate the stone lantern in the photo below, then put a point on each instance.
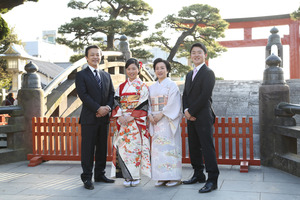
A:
(16, 58)
(274, 39)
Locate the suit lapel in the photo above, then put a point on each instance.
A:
(189, 81)
(196, 78)
(92, 76)
(103, 84)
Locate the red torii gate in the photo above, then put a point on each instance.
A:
(293, 39)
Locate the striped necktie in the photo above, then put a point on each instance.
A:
(97, 78)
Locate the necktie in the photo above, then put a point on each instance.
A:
(194, 73)
(97, 78)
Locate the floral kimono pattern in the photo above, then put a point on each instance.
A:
(131, 145)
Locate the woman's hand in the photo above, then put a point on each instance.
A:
(129, 119)
(151, 119)
(122, 120)
(158, 117)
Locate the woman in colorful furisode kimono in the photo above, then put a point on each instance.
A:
(165, 116)
(131, 140)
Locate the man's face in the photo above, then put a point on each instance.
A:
(94, 57)
(198, 56)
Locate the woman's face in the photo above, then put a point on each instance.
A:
(132, 71)
(161, 71)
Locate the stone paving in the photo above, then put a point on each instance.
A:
(56, 180)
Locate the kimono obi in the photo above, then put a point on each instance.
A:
(158, 103)
(129, 101)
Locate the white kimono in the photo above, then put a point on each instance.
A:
(166, 134)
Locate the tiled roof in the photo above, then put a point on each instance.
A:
(48, 68)
(63, 64)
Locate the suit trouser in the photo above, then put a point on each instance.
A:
(200, 138)
(93, 146)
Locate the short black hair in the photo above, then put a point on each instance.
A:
(198, 44)
(132, 61)
(168, 65)
(92, 47)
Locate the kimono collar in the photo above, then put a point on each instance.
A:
(135, 80)
(163, 81)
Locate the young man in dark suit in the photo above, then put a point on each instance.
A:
(197, 101)
(95, 89)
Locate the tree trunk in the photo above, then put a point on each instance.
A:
(180, 41)
(110, 41)
(176, 46)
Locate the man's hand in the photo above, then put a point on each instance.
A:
(102, 111)
(188, 116)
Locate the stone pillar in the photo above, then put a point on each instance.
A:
(124, 48)
(273, 91)
(31, 99)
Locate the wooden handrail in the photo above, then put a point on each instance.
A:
(60, 139)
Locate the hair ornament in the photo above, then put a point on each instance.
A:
(141, 64)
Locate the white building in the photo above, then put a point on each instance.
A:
(47, 49)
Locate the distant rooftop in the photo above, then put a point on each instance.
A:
(63, 64)
(48, 68)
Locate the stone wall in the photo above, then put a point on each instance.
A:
(237, 99)
(240, 98)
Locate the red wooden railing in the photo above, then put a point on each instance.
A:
(233, 142)
(60, 139)
(55, 139)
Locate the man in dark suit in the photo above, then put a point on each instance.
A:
(96, 91)
(197, 101)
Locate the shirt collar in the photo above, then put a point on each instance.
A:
(199, 66)
(93, 69)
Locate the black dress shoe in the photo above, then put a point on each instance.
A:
(104, 179)
(209, 186)
(195, 179)
(88, 185)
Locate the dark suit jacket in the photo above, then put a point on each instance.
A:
(92, 96)
(197, 93)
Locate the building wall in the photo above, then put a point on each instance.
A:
(48, 51)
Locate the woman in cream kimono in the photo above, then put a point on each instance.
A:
(131, 140)
(165, 116)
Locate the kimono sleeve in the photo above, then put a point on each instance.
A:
(173, 108)
(116, 111)
(142, 109)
